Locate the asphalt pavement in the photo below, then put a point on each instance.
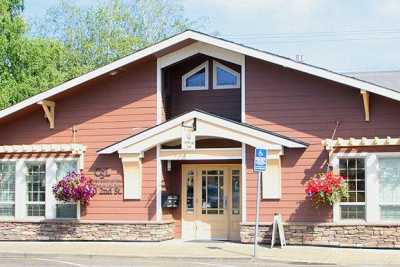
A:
(98, 261)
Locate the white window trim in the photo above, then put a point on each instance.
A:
(227, 69)
(10, 202)
(20, 189)
(204, 65)
(372, 203)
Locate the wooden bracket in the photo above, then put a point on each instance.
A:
(48, 108)
(365, 97)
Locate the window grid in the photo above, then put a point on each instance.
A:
(353, 170)
(36, 189)
(212, 203)
(7, 189)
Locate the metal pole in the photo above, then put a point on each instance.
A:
(257, 214)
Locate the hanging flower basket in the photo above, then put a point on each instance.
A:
(326, 189)
(75, 187)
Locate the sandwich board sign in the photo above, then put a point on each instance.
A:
(277, 228)
(260, 166)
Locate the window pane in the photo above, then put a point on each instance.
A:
(389, 180)
(190, 192)
(212, 192)
(65, 167)
(66, 210)
(197, 80)
(7, 182)
(36, 188)
(354, 173)
(7, 210)
(390, 213)
(354, 212)
(212, 199)
(36, 210)
(225, 78)
(235, 192)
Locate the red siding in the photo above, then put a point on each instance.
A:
(104, 111)
(306, 107)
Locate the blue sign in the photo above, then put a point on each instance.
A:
(260, 159)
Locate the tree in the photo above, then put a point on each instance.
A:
(28, 65)
(111, 29)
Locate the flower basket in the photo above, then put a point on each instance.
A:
(326, 189)
(75, 187)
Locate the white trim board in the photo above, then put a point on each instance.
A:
(217, 42)
(171, 132)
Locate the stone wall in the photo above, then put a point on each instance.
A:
(329, 234)
(99, 231)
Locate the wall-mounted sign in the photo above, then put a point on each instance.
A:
(188, 136)
(260, 159)
(105, 184)
(102, 173)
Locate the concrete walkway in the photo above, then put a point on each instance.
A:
(180, 249)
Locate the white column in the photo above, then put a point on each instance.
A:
(159, 93)
(244, 184)
(20, 190)
(372, 188)
(158, 186)
(243, 86)
(51, 171)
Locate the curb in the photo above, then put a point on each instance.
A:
(232, 258)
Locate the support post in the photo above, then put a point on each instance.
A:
(257, 221)
(49, 110)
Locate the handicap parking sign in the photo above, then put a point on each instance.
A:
(260, 159)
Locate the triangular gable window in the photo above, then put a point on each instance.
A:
(225, 77)
(196, 79)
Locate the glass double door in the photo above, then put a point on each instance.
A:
(211, 202)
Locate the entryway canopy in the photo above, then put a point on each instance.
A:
(202, 124)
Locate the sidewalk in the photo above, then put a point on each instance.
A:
(180, 249)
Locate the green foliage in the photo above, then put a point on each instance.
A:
(29, 65)
(111, 29)
(71, 40)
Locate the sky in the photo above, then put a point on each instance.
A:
(340, 35)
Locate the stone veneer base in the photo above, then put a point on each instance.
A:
(87, 231)
(329, 234)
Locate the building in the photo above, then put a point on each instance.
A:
(179, 121)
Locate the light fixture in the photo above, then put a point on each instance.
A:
(169, 167)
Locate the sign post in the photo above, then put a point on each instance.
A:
(260, 166)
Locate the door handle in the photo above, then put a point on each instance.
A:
(225, 202)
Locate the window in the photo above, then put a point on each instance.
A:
(190, 192)
(66, 210)
(235, 192)
(353, 207)
(212, 193)
(196, 79)
(389, 188)
(7, 188)
(36, 189)
(225, 77)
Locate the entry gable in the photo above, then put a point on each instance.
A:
(204, 124)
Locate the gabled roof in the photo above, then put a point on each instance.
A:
(242, 132)
(201, 37)
(388, 79)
